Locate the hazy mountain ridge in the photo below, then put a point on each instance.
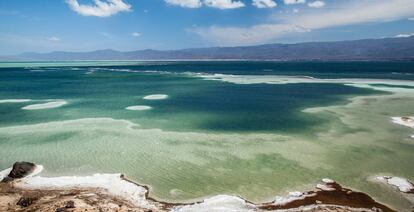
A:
(368, 49)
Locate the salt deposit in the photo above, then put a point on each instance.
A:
(156, 97)
(14, 100)
(47, 105)
(138, 107)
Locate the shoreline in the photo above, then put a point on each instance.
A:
(10, 63)
(115, 191)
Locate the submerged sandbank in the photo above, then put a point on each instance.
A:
(115, 188)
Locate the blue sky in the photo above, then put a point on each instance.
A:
(84, 25)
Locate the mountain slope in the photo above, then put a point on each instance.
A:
(368, 49)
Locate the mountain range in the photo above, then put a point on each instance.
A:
(367, 49)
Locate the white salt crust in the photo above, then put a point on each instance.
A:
(156, 97)
(14, 100)
(47, 105)
(139, 107)
(402, 184)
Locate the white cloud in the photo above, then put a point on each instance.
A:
(317, 4)
(224, 4)
(185, 3)
(411, 19)
(245, 36)
(53, 38)
(348, 13)
(264, 3)
(294, 1)
(136, 34)
(219, 4)
(404, 35)
(101, 8)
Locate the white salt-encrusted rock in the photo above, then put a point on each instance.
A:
(325, 187)
(327, 180)
(4, 173)
(292, 196)
(401, 183)
(295, 194)
(113, 184)
(405, 121)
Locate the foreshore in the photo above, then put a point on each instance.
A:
(27, 191)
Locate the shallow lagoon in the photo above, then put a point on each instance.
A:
(212, 136)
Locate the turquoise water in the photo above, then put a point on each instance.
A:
(97, 92)
(212, 136)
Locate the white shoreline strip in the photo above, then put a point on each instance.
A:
(115, 185)
(283, 79)
(47, 105)
(155, 97)
(218, 203)
(14, 100)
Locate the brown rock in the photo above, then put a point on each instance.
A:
(25, 201)
(20, 170)
(60, 209)
(70, 204)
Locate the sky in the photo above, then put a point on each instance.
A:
(126, 25)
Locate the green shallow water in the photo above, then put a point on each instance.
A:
(211, 137)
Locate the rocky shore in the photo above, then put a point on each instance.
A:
(22, 189)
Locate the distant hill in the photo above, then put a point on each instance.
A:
(368, 49)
